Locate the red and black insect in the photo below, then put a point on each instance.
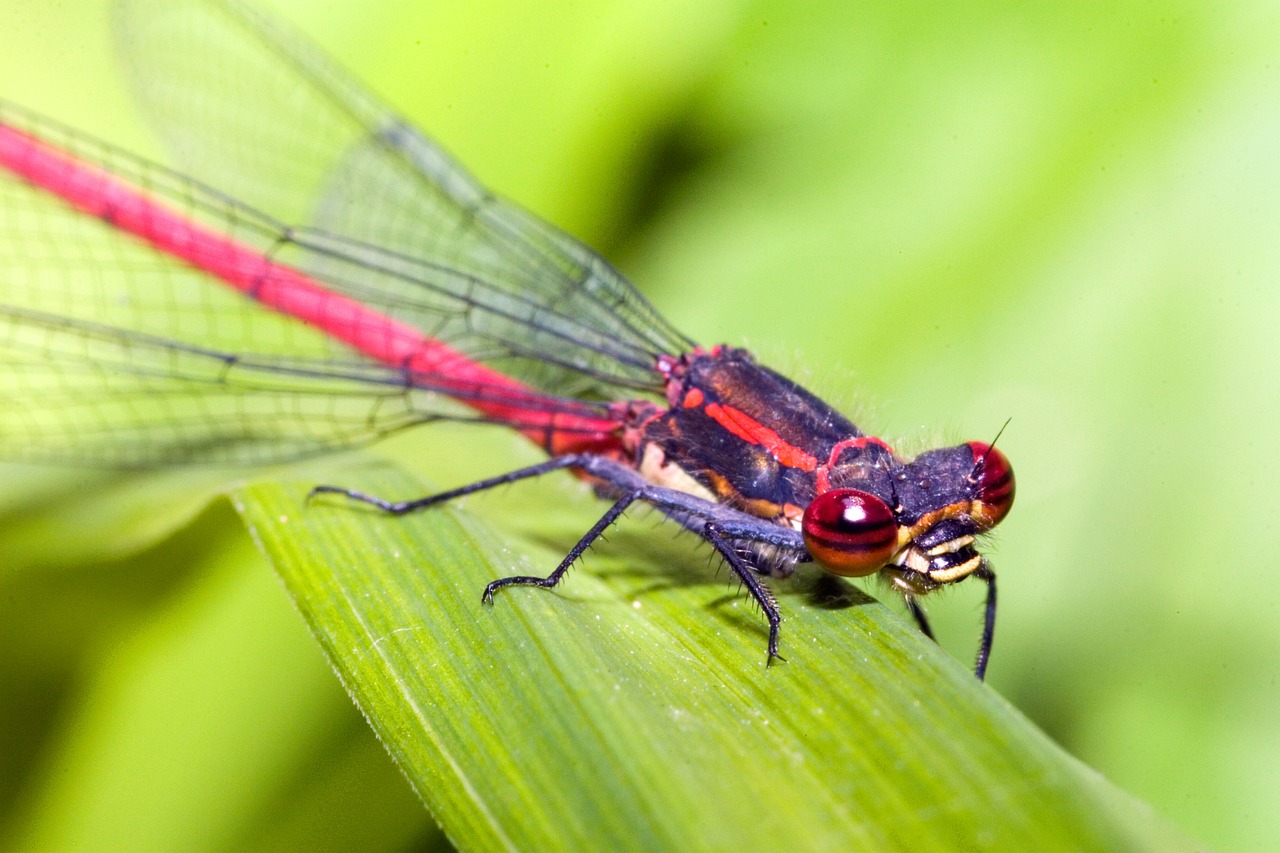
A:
(407, 293)
(772, 476)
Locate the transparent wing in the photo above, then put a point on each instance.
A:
(251, 108)
(99, 360)
(114, 353)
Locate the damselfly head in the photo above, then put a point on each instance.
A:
(946, 498)
(923, 527)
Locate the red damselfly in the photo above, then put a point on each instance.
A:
(348, 279)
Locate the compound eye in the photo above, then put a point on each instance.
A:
(849, 532)
(993, 478)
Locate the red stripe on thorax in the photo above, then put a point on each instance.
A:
(748, 429)
(100, 194)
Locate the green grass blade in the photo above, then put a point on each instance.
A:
(632, 709)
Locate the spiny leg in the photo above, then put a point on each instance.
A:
(718, 524)
(689, 511)
(989, 621)
(913, 604)
(605, 522)
(711, 532)
(402, 507)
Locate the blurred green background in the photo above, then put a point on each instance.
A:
(939, 216)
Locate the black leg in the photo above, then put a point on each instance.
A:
(403, 507)
(989, 622)
(711, 532)
(584, 543)
(921, 619)
(719, 525)
(690, 511)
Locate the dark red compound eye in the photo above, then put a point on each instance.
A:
(993, 476)
(849, 533)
